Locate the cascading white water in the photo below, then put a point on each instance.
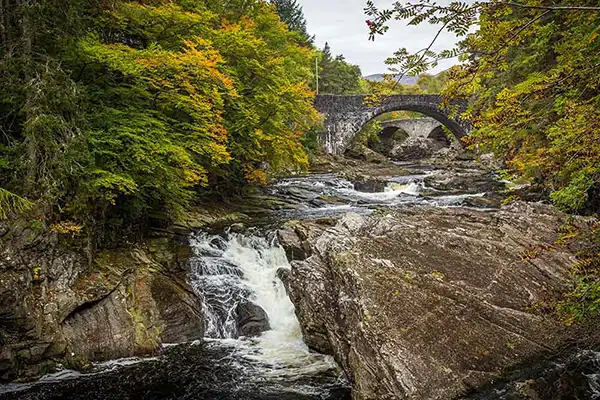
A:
(236, 268)
(227, 270)
(392, 191)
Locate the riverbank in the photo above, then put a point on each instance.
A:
(440, 222)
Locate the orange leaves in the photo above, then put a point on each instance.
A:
(236, 91)
(255, 176)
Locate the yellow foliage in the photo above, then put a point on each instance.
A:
(66, 227)
(256, 176)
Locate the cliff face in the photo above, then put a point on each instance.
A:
(426, 303)
(57, 307)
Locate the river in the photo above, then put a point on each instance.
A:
(230, 269)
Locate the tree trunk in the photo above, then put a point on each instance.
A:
(31, 139)
(5, 10)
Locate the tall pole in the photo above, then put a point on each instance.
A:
(317, 72)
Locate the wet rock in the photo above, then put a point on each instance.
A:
(237, 227)
(284, 275)
(370, 185)
(206, 216)
(428, 303)
(57, 306)
(293, 244)
(251, 319)
(574, 375)
(298, 194)
(318, 202)
(464, 181)
(219, 243)
(295, 236)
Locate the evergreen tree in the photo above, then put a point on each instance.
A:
(291, 13)
(336, 76)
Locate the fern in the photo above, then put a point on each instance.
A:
(12, 203)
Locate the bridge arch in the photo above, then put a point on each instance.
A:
(345, 115)
(389, 133)
(439, 135)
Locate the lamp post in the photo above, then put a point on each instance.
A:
(317, 72)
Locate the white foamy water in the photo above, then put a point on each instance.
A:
(391, 192)
(237, 268)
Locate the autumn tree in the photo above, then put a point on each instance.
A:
(530, 74)
(119, 113)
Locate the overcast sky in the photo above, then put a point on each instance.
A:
(342, 24)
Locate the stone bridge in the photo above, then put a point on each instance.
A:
(415, 128)
(345, 115)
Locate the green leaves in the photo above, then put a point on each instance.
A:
(12, 203)
(574, 196)
(291, 13)
(458, 17)
(336, 76)
(146, 106)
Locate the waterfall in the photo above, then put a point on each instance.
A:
(235, 268)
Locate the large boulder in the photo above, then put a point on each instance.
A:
(464, 181)
(251, 319)
(58, 305)
(415, 149)
(363, 153)
(428, 303)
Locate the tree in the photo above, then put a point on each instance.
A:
(336, 76)
(291, 13)
(118, 112)
(432, 84)
(530, 74)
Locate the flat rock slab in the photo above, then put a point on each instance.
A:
(428, 303)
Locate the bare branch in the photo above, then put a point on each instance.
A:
(424, 51)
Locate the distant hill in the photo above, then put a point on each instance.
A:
(406, 80)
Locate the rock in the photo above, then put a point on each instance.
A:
(206, 216)
(363, 153)
(428, 303)
(415, 149)
(135, 318)
(491, 161)
(251, 319)
(298, 194)
(237, 227)
(464, 181)
(284, 276)
(370, 185)
(292, 242)
(57, 306)
(295, 236)
(572, 375)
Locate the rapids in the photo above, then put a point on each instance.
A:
(232, 268)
